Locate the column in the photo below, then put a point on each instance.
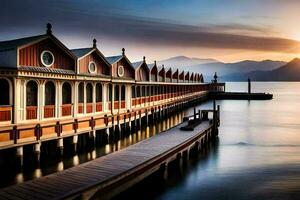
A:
(41, 103)
(112, 97)
(75, 107)
(104, 97)
(58, 99)
(84, 98)
(94, 97)
(18, 100)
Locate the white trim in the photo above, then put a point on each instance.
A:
(41, 57)
(118, 72)
(90, 71)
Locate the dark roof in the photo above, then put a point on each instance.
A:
(113, 59)
(81, 52)
(13, 44)
(46, 70)
(137, 64)
(160, 68)
(151, 65)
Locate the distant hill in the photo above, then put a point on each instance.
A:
(181, 61)
(287, 72)
(209, 66)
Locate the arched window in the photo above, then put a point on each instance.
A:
(98, 97)
(5, 92)
(5, 100)
(89, 93)
(66, 93)
(81, 93)
(116, 93)
(149, 91)
(99, 92)
(49, 109)
(132, 91)
(123, 93)
(143, 91)
(109, 92)
(138, 91)
(49, 93)
(31, 93)
(31, 100)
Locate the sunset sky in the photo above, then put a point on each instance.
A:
(227, 30)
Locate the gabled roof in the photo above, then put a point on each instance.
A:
(160, 68)
(169, 70)
(8, 49)
(136, 65)
(14, 44)
(151, 65)
(113, 59)
(81, 52)
(176, 72)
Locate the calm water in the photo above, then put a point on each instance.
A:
(51, 163)
(257, 155)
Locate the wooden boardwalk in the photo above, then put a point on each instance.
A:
(110, 172)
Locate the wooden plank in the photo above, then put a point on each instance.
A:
(103, 169)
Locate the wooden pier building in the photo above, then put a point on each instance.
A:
(50, 92)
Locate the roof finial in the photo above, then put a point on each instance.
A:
(94, 43)
(215, 78)
(144, 59)
(163, 65)
(49, 27)
(155, 62)
(123, 51)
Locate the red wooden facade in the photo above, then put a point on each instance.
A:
(142, 73)
(30, 55)
(129, 72)
(101, 66)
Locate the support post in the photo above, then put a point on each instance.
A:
(92, 137)
(75, 142)
(165, 171)
(19, 154)
(37, 151)
(60, 146)
(140, 120)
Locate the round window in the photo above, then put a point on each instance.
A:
(47, 58)
(92, 67)
(120, 71)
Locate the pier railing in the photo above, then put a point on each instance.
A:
(18, 135)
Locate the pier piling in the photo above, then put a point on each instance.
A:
(60, 146)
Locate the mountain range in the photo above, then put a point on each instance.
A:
(227, 71)
(288, 72)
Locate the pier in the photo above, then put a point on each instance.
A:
(53, 97)
(221, 94)
(109, 175)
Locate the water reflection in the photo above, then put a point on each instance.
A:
(51, 163)
(258, 155)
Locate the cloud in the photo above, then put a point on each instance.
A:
(105, 22)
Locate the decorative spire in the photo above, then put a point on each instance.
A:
(49, 29)
(94, 43)
(154, 62)
(123, 51)
(144, 59)
(215, 77)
